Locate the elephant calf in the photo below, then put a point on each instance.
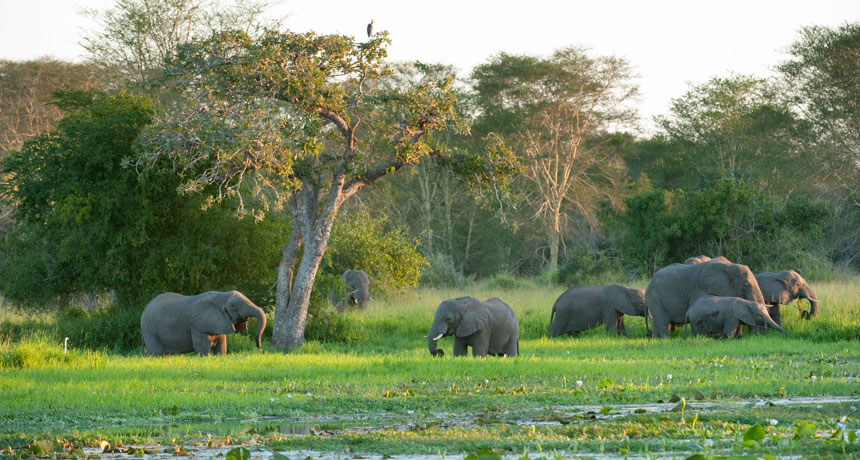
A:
(175, 324)
(584, 307)
(723, 316)
(489, 327)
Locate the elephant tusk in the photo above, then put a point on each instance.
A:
(812, 300)
(438, 337)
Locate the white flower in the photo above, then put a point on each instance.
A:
(486, 381)
(289, 396)
(410, 411)
(272, 399)
(813, 378)
(568, 351)
(579, 383)
(709, 442)
(669, 377)
(310, 394)
(746, 378)
(774, 421)
(853, 408)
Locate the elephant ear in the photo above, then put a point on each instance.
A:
(745, 312)
(476, 317)
(209, 314)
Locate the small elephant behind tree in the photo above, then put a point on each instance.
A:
(173, 324)
(489, 327)
(782, 288)
(584, 307)
(357, 290)
(724, 316)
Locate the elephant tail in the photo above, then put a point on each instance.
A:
(551, 317)
(647, 327)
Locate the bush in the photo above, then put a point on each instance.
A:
(730, 219)
(587, 266)
(441, 271)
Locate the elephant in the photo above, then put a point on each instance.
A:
(584, 307)
(489, 327)
(704, 258)
(723, 316)
(675, 287)
(173, 323)
(358, 290)
(783, 287)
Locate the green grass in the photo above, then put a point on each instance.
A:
(407, 401)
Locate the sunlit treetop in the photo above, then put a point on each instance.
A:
(268, 115)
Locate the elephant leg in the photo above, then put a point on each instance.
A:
(613, 321)
(660, 326)
(511, 347)
(201, 343)
(219, 345)
(775, 315)
(732, 329)
(460, 346)
(481, 343)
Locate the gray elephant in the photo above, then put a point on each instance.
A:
(357, 290)
(174, 324)
(783, 287)
(489, 327)
(584, 307)
(723, 316)
(674, 288)
(704, 258)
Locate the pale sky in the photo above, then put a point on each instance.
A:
(670, 43)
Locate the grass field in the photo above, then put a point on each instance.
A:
(380, 392)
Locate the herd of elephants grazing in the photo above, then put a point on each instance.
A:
(714, 296)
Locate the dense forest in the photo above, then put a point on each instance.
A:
(204, 158)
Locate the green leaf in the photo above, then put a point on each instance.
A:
(238, 453)
(279, 456)
(755, 433)
(605, 410)
(696, 457)
(483, 454)
(605, 383)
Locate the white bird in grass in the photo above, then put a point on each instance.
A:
(66, 345)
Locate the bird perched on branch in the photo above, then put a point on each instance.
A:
(370, 28)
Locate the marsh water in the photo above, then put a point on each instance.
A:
(332, 426)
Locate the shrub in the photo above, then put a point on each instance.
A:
(441, 271)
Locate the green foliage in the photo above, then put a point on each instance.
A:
(39, 351)
(89, 223)
(731, 219)
(440, 271)
(587, 265)
(385, 252)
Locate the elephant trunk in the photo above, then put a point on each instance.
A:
(436, 333)
(261, 323)
(809, 295)
(771, 323)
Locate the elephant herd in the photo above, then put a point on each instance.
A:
(715, 296)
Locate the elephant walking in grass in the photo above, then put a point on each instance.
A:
(723, 316)
(584, 307)
(674, 288)
(489, 327)
(782, 288)
(175, 324)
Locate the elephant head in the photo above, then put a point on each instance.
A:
(449, 316)
(754, 315)
(785, 286)
(226, 313)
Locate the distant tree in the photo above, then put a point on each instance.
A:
(737, 128)
(821, 76)
(134, 37)
(281, 117)
(88, 223)
(553, 112)
(26, 90)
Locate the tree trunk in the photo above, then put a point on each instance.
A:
(291, 305)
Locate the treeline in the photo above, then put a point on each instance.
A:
(762, 171)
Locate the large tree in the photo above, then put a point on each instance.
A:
(739, 128)
(553, 111)
(304, 121)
